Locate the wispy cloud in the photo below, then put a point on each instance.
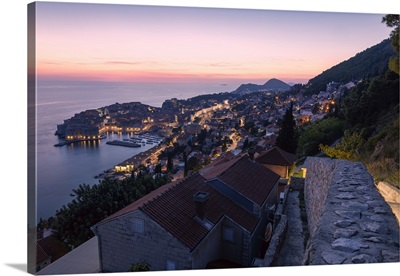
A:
(51, 63)
(122, 62)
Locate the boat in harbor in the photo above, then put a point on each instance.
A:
(137, 140)
(123, 143)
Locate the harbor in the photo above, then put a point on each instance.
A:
(149, 156)
(137, 141)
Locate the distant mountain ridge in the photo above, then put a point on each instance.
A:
(270, 85)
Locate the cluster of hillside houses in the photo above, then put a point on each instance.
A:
(216, 217)
(219, 216)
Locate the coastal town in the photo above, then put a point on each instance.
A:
(181, 138)
(201, 128)
(228, 184)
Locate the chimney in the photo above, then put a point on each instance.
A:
(251, 151)
(201, 198)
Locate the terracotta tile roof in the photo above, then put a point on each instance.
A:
(256, 183)
(223, 158)
(219, 166)
(259, 149)
(180, 220)
(41, 255)
(173, 208)
(53, 247)
(135, 205)
(276, 156)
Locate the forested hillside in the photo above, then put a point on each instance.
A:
(371, 114)
(369, 63)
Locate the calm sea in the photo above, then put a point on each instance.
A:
(61, 169)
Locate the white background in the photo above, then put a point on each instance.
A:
(13, 125)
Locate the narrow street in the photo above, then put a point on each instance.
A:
(292, 251)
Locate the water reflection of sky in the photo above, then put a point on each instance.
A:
(60, 169)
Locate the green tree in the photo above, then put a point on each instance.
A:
(202, 136)
(364, 104)
(287, 138)
(92, 204)
(350, 147)
(245, 144)
(170, 164)
(392, 20)
(158, 168)
(186, 169)
(192, 163)
(379, 151)
(325, 131)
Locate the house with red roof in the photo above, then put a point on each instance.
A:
(215, 217)
(42, 258)
(277, 160)
(48, 250)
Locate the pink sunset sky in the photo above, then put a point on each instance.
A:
(130, 43)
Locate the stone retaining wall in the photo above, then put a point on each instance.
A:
(317, 183)
(280, 208)
(349, 220)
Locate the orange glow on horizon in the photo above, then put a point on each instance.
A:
(164, 44)
(121, 72)
(171, 77)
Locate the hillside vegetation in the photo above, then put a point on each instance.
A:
(371, 113)
(367, 115)
(366, 64)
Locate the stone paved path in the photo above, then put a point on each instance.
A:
(357, 225)
(292, 250)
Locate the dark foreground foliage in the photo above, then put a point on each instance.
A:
(91, 204)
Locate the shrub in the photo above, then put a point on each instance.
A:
(140, 266)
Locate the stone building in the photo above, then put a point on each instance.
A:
(277, 160)
(218, 215)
